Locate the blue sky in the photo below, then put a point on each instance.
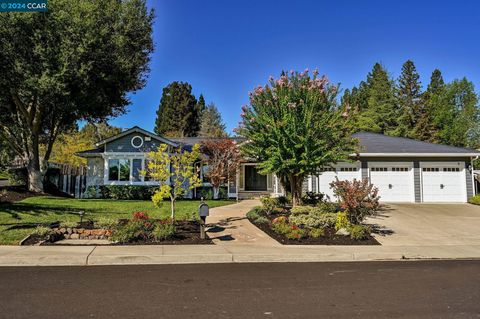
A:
(225, 48)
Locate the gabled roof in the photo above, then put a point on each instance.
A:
(91, 153)
(137, 129)
(373, 144)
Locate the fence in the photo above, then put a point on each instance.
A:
(66, 178)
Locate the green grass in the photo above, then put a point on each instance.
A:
(3, 175)
(17, 220)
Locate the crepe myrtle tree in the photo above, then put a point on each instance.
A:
(75, 62)
(176, 170)
(222, 158)
(293, 127)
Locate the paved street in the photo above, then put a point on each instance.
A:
(410, 289)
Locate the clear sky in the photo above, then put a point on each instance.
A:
(225, 48)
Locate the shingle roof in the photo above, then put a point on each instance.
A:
(373, 143)
(92, 152)
(140, 130)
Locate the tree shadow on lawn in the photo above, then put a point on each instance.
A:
(16, 210)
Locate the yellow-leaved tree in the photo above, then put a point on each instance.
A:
(176, 172)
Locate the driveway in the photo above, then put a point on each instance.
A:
(428, 224)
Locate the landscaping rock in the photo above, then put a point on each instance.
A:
(342, 232)
(69, 230)
(74, 236)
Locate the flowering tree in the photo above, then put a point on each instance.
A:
(293, 127)
(222, 158)
(175, 171)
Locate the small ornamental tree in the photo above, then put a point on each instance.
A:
(359, 198)
(293, 127)
(176, 172)
(222, 158)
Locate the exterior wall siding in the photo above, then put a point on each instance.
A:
(95, 171)
(417, 182)
(469, 181)
(124, 144)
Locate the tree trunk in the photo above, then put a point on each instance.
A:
(35, 176)
(296, 189)
(216, 191)
(172, 204)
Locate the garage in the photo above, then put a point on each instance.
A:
(443, 182)
(343, 171)
(394, 180)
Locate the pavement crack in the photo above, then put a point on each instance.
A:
(88, 256)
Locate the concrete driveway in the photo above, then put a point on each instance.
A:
(428, 224)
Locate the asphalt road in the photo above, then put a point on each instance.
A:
(410, 289)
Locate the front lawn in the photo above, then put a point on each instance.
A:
(17, 220)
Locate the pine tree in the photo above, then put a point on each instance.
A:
(379, 114)
(409, 100)
(199, 109)
(177, 113)
(425, 127)
(212, 124)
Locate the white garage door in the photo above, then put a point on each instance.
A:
(393, 180)
(344, 171)
(443, 182)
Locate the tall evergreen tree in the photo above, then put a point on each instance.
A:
(409, 100)
(379, 115)
(177, 113)
(199, 109)
(457, 117)
(425, 128)
(212, 124)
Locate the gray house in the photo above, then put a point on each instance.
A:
(404, 170)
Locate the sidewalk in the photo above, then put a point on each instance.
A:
(142, 255)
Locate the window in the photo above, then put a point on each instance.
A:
(113, 170)
(379, 169)
(118, 170)
(137, 141)
(136, 169)
(451, 169)
(400, 169)
(431, 169)
(147, 176)
(348, 169)
(327, 169)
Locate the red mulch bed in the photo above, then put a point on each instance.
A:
(329, 239)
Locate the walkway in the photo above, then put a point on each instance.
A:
(228, 225)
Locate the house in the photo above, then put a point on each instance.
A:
(404, 170)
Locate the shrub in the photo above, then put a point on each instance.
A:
(255, 213)
(295, 232)
(42, 231)
(342, 221)
(140, 227)
(359, 232)
(328, 207)
(127, 192)
(474, 200)
(105, 223)
(280, 225)
(207, 193)
(315, 219)
(163, 230)
(312, 198)
(301, 210)
(68, 224)
(262, 220)
(269, 204)
(91, 192)
(283, 202)
(359, 198)
(316, 232)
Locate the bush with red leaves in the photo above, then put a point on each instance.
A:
(358, 198)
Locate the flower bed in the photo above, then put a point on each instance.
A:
(139, 230)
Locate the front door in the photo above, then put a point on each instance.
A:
(253, 180)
